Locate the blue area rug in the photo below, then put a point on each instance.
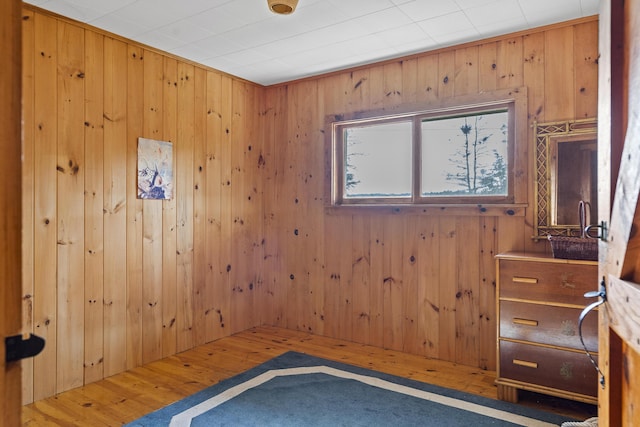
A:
(295, 389)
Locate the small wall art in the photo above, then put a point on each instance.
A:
(155, 169)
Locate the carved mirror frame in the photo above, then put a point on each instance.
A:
(545, 134)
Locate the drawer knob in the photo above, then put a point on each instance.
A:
(516, 279)
(525, 322)
(525, 363)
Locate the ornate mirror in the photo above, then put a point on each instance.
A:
(566, 173)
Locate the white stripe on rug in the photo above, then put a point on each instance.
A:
(183, 419)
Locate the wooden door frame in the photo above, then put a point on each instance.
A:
(10, 203)
(619, 161)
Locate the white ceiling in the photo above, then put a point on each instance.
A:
(245, 39)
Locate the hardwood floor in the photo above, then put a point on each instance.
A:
(127, 396)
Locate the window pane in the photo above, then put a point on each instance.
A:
(378, 160)
(465, 155)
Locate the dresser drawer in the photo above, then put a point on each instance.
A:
(541, 281)
(554, 368)
(547, 324)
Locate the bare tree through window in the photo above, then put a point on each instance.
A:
(478, 166)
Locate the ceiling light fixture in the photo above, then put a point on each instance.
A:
(282, 7)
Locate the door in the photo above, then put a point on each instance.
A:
(619, 159)
(10, 204)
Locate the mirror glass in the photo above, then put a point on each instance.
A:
(566, 169)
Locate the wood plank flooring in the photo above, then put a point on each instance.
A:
(127, 396)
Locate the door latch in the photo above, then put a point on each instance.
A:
(601, 231)
(18, 348)
(602, 295)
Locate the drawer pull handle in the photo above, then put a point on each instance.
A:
(524, 279)
(525, 363)
(525, 322)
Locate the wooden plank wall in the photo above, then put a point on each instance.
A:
(423, 283)
(111, 281)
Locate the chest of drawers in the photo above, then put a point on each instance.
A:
(539, 302)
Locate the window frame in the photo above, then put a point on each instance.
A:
(340, 171)
(514, 100)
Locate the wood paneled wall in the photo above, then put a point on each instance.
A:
(421, 283)
(112, 282)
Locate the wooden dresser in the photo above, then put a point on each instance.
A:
(539, 302)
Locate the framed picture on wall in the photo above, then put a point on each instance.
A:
(155, 169)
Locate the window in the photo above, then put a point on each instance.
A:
(465, 155)
(450, 155)
(378, 158)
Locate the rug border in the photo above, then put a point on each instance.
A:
(291, 359)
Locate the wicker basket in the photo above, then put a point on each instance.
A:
(574, 248)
